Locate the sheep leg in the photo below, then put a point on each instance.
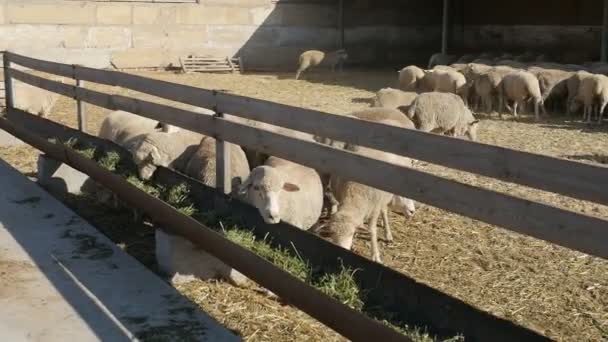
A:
(536, 105)
(601, 113)
(373, 233)
(388, 235)
(514, 110)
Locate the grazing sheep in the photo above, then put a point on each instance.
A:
(33, 99)
(443, 113)
(393, 98)
(409, 77)
(448, 81)
(202, 163)
(183, 261)
(486, 88)
(593, 92)
(553, 85)
(122, 127)
(285, 191)
(573, 85)
(359, 202)
(441, 59)
(313, 58)
(519, 87)
(172, 150)
(400, 204)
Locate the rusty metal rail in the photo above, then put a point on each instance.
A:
(344, 320)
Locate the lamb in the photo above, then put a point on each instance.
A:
(446, 81)
(443, 113)
(313, 58)
(359, 202)
(409, 77)
(592, 89)
(285, 191)
(393, 98)
(441, 59)
(520, 87)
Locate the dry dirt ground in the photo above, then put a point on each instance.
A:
(556, 291)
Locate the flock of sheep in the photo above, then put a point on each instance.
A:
(435, 100)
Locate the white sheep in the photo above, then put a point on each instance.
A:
(448, 81)
(519, 87)
(393, 98)
(202, 163)
(183, 261)
(359, 202)
(313, 58)
(486, 87)
(282, 190)
(33, 99)
(172, 150)
(443, 113)
(593, 92)
(573, 85)
(409, 77)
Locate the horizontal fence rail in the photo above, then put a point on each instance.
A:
(344, 320)
(582, 181)
(577, 231)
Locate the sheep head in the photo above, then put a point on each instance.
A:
(147, 157)
(263, 188)
(403, 205)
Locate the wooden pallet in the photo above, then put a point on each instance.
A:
(211, 64)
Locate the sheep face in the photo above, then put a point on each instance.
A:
(146, 158)
(263, 188)
(403, 205)
(472, 130)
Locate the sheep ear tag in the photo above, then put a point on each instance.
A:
(289, 187)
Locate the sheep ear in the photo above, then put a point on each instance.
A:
(244, 187)
(289, 187)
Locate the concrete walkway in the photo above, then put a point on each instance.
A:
(62, 280)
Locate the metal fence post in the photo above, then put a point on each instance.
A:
(82, 115)
(8, 82)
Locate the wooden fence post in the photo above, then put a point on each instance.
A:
(223, 179)
(82, 115)
(8, 82)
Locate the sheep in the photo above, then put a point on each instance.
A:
(592, 89)
(441, 59)
(123, 128)
(359, 202)
(443, 67)
(164, 149)
(519, 87)
(486, 86)
(443, 113)
(446, 81)
(393, 98)
(313, 58)
(202, 163)
(183, 261)
(573, 85)
(285, 191)
(553, 84)
(409, 77)
(33, 99)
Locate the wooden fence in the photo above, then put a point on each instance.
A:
(569, 229)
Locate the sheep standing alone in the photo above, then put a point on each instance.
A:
(285, 191)
(409, 77)
(313, 58)
(519, 87)
(393, 98)
(443, 113)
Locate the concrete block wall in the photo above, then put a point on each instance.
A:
(146, 34)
